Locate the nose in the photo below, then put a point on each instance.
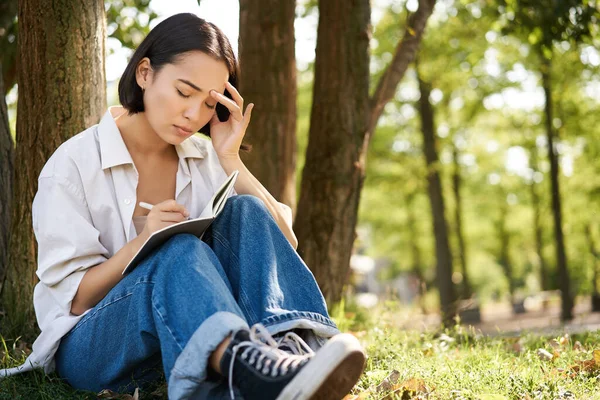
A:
(193, 111)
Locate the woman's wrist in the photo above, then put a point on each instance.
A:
(230, 163)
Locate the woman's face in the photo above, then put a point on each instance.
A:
(177, 102)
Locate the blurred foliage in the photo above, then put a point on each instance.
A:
(128, 21)
(481, 77)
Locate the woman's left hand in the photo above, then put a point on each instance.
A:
(227, 136)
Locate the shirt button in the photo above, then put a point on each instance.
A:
(127, 201)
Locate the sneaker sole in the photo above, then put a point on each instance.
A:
(331, 374)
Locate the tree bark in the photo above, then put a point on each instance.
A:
(7, 158)
(61, 92)
(561, 257)
(8, 27)
(462, 247)
(436, 198)
(268, 79)
(334, 170)
(415, 250)
(537, 224)
(504, 253)
(411, 224)
(596, 256)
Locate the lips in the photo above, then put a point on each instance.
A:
(183, 132)
(183, 128)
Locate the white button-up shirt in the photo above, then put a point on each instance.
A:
(82, 215)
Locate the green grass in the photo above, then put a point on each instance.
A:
(456, 363)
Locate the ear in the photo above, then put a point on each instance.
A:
(143, 73)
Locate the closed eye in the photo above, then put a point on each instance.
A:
(209, 106)
(181, 94)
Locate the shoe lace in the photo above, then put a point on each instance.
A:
(295, 343)
(262, 348)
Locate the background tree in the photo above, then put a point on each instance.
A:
(543, 23)
(268, 77)
(436, 198)
(341, 118)
(6, 169)
(62, 91)
(8, 10)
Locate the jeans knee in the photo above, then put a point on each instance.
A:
(246, 203)
(178, 252)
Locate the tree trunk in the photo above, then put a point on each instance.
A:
(436, 198)
(403, 56)
(61, 92)
(561, 257)
(504, 253)
(8, 27)
(462, 248)
(334, 170)
(415, 250)
(7, 154)
(537, 224)
(411, 224)
(596, 257)
(268, 79)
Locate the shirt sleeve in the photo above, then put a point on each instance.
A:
(68, 242)
(287, 213)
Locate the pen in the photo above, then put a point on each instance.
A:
(147, 206)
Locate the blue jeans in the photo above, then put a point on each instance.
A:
(172, 311)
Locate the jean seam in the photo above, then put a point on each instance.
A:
(167, 327)
(225, 243)
(187, 376)
(295, 316)
(91, 315)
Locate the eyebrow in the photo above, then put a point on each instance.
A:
(191, 84)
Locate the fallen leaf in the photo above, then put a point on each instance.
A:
(564, 340)
(408, 389)
(544, 355)
(554, 344)
(597, 357)
(428, 352)
(388, 382)
(360, 396)
(577, 346)
(445, 338)
(110, 395)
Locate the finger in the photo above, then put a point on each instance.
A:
(166, 216)
(214, 120)
(236, 95)
(172, 206)
(233, 108)
(248, 115)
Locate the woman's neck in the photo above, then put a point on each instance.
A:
(138, 135)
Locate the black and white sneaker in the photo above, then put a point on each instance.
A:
(291, 342)
(254, 363)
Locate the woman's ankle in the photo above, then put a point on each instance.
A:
(214, 360)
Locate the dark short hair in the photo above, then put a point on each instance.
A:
(176, 35)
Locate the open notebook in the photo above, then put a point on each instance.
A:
(195, 226)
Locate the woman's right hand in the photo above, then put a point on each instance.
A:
(164, 214)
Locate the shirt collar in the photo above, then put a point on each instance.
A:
(112, 147)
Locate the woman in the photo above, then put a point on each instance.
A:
(236, 314)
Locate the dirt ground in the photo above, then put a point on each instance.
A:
(499, 319)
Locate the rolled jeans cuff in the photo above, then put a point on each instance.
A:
(190, 368)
